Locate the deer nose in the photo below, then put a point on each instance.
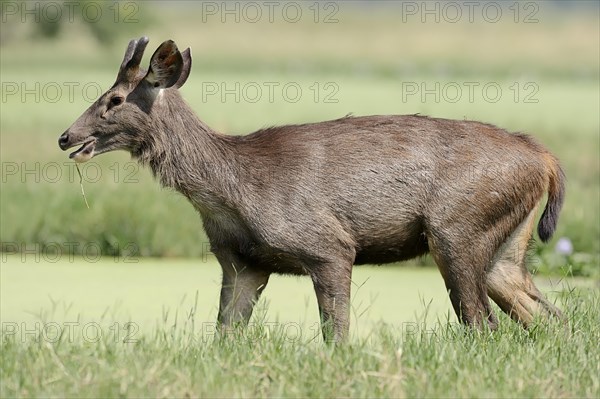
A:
(63, 141)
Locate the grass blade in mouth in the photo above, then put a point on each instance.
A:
(81, 185)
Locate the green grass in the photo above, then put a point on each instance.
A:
(404, 343)
(141, 290)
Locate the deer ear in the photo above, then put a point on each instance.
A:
(187, 66)
(166, 66)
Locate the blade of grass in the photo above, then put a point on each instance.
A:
(81, 185)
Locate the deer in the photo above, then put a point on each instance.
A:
(315, 199)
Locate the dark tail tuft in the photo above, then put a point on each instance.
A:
(556, 196)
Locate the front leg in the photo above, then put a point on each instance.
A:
(332, 284)
(241, 289)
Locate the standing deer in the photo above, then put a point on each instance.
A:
(316, 199)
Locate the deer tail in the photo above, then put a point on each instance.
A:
(556, 196)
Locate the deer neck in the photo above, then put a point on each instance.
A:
(186, 155)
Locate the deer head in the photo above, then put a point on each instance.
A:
(123, 118)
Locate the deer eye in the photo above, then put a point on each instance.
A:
(116, 100)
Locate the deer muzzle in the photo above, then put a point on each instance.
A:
(84, 153)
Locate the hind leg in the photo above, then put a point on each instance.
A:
(462, 264)
(509, 283)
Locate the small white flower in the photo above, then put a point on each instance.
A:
(564, 246)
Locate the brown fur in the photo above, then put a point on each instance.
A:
(315, 199)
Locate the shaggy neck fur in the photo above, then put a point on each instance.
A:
(188, 156)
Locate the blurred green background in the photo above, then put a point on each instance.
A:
(531, 67)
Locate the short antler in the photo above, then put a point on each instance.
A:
(130, 66)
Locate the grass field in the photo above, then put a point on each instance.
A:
(119, 300)
(141, 292)
(112, 328)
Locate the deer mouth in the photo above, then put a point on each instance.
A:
(85, 152)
